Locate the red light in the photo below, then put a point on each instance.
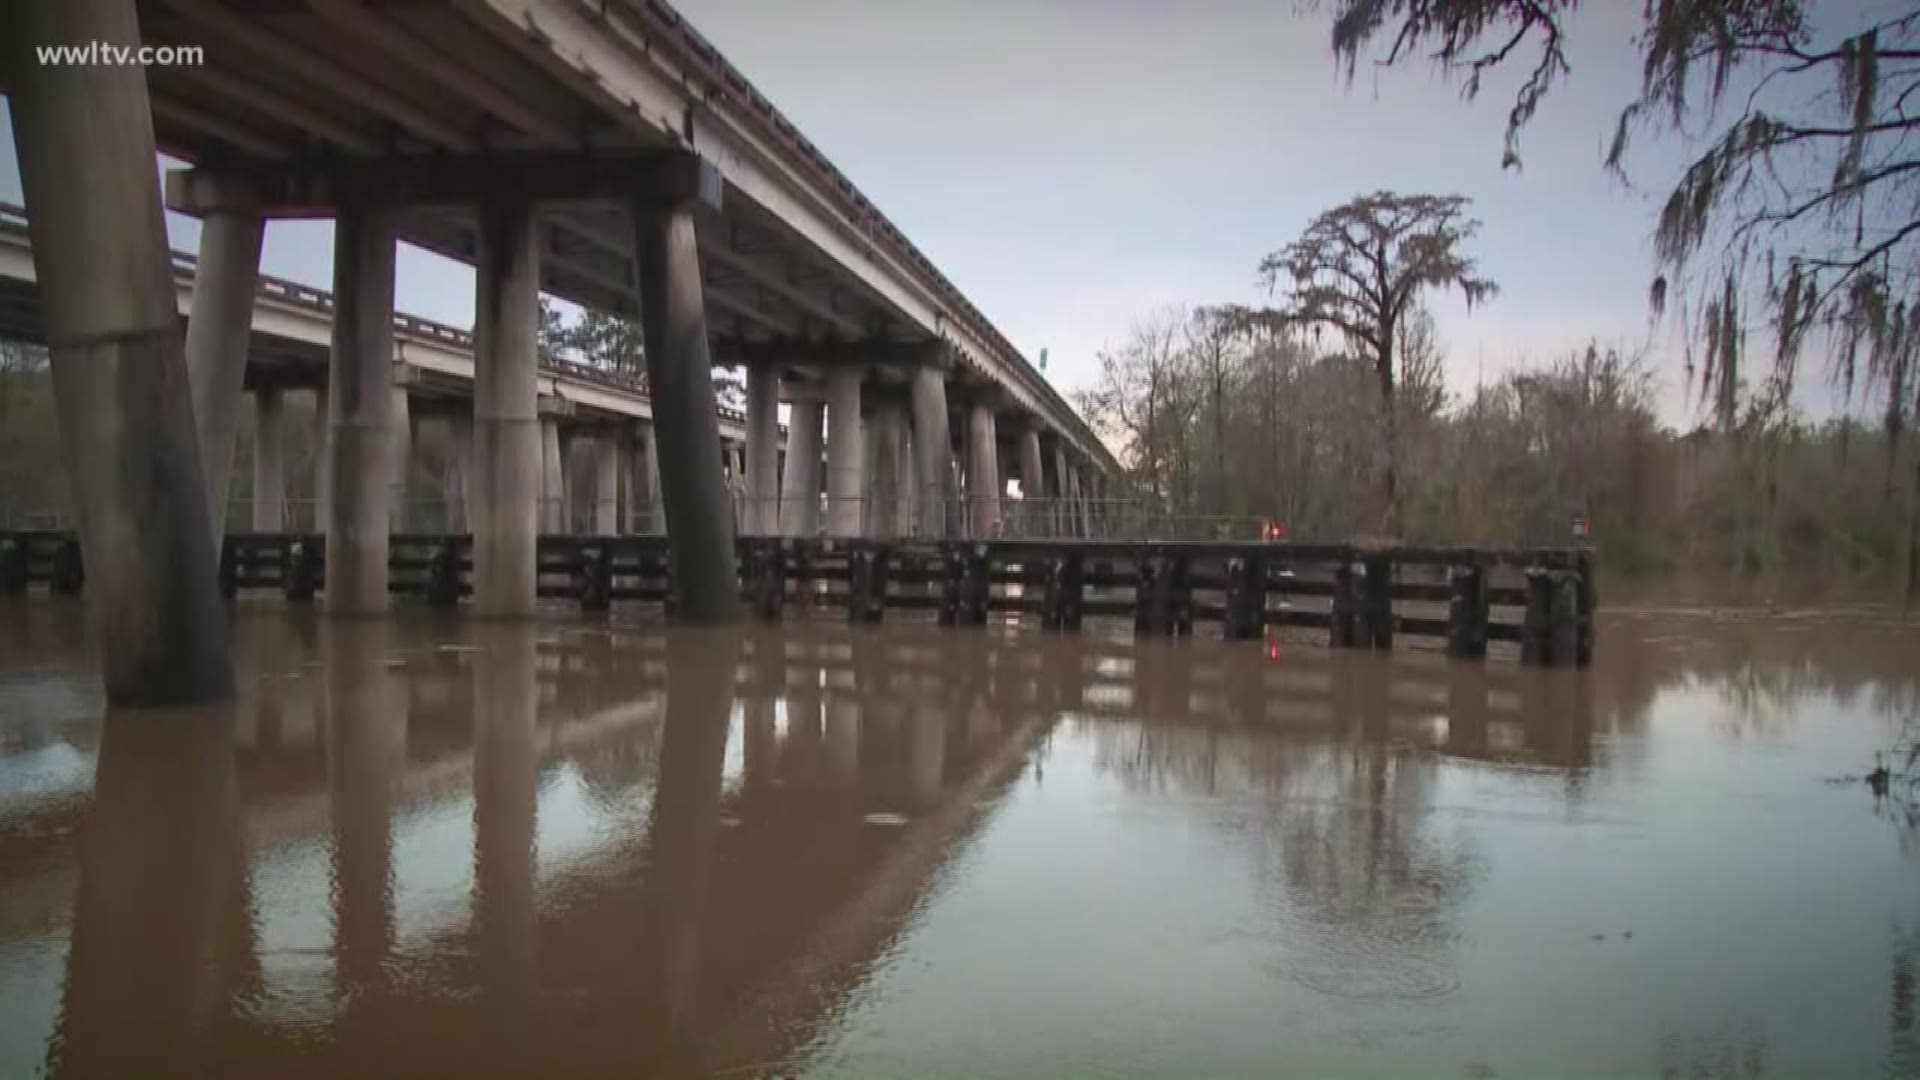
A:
(1273, 652)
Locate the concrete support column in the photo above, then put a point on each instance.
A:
(84, 136)
(400, 434)
(1032, 484)
(457, 484)
(219, 328)
(800, 486)
(763, 449)
(846, 452)
(606, 486)
(886, 433)
(656, 509)
(706, 583)
(1076, 509)
(1062, 512)
(505, 488)
(553, 478)
(933, 449)
(361, 393)
(269, 462)
(322, 463)
(984, 484)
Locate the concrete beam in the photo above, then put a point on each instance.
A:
(304, 189)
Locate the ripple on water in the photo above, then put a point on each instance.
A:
(1371, 977)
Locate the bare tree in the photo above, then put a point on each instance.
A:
(1808, 191)
(1361, 268)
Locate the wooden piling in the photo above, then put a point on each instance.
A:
(1378, 612)
(1467, 613)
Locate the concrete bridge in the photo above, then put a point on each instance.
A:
(606, 413)
(602, 152)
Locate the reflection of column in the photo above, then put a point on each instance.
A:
(364, 715)
(846, 452)
(269, 462)
(1467, 708)
(926, 752)
(701, 667)
(843, 743)
(160, 937)
(800, 486)
(506, 699)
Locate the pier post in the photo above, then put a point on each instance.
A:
(269, 462)
(84, 137)
(763, 449)
(800, 486)
(1344, 631)
(1467, 613)
(360, 394)
(505, 490)
(933, 447)
(673, 316)
(1377, 609)
(1534, 642)
(219, 329)
(846, 452)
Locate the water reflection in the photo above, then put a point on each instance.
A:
(437, 847)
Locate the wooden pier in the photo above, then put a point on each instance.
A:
(1362, 596)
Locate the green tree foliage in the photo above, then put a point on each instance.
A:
(615, 343)
(1361, 268)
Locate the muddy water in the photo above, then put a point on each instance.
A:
(436, 847)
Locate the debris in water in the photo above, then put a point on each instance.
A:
(886, 819)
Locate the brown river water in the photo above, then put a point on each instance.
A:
(436, 847)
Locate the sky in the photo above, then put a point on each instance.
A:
(1075, 165)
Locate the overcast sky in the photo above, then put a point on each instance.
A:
(1075, 164)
